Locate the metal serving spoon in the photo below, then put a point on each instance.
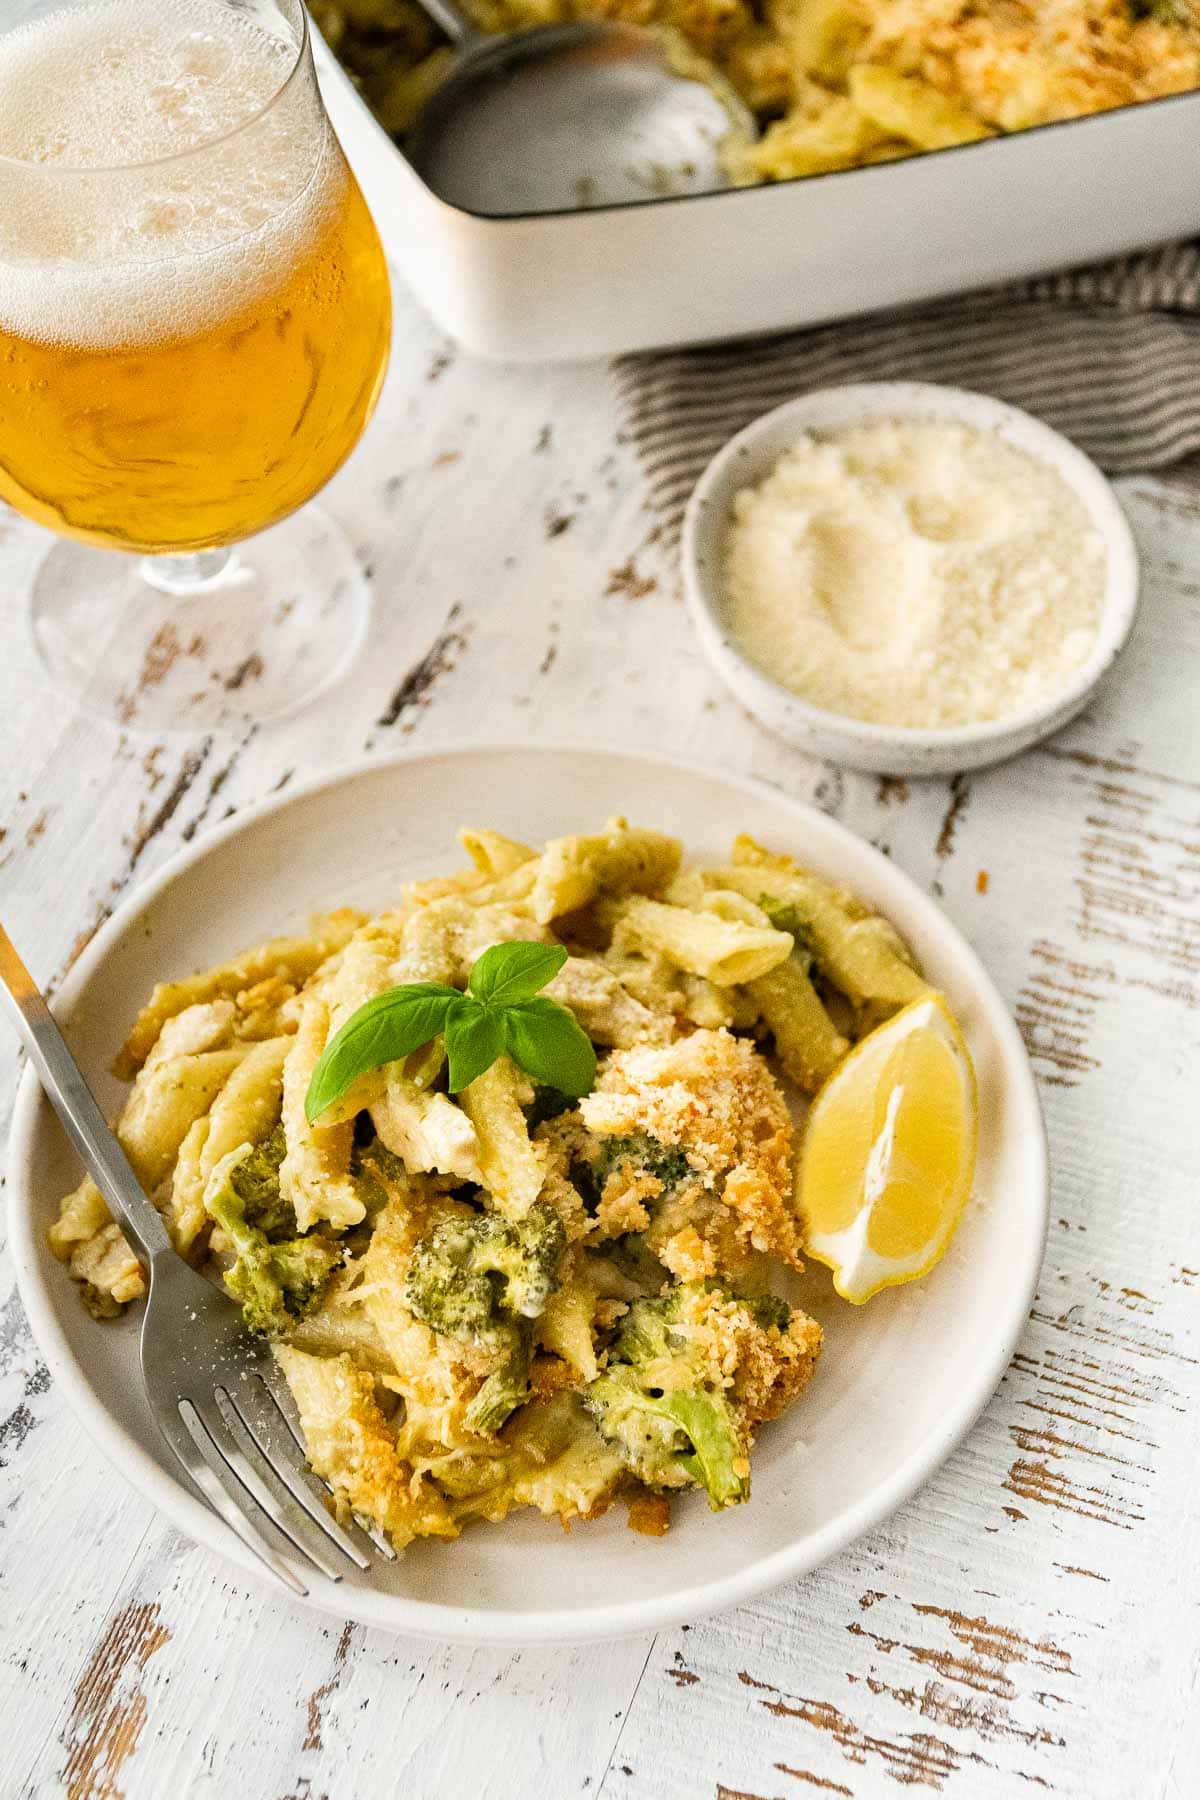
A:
(565, 117)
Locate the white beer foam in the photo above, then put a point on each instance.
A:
(109, 232)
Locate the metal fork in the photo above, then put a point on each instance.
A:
(204, 1372)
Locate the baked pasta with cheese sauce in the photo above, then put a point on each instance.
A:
(494, 1295)
(832, 83)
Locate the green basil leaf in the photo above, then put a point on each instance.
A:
(385, 1027)
(474, 1039)
(551, 1045)
(510, 972)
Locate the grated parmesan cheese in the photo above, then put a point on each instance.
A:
(915, 572)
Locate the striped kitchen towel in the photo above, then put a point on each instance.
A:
(1110, 355)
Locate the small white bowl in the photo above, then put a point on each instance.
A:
(893, 749)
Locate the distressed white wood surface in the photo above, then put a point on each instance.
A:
(1029, 1623)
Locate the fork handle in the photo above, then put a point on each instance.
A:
(76, 1106)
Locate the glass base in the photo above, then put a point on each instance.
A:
(198, 644)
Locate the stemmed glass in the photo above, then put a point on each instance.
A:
(194, 325)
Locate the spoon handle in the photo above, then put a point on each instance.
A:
(459, 27)
(75, 1104)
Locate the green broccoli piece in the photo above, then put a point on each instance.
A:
(377, 1171)
(254, 1181)
(276, 1284)
(768, 1310)
(506, 1388)
(668, 1163)
(1167, 12)
(547, 1103)
(482, 1279)
(275, 1278)
(471, 1272)
(785, 917)
(655, 1403)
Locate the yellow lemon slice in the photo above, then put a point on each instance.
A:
(889, 1154)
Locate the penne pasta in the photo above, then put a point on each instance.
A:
(510, 1164)
(244, 1112)
(725, 951)
(573, 870)
(807, 1043)
(315, 1175)
(900, 106)
(207, 1025)
(166, 1101)
(857, 950)
(365, 969)
(493, 854)
(291, 959)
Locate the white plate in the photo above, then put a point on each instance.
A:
(902, 1379)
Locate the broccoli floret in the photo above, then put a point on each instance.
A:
(276, 1284)
(668, 1163)
(378, 1171)
(254, 1181)
(656, 1403)
(636, 1260)
(275, 1278)
(785, 917)
(482, 1279)
(768, 1310)
(506, 1388)
(470, 1272)
(547, 1103)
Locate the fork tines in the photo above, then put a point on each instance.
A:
(246, 1457)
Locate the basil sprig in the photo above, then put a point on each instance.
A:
(502, 1012)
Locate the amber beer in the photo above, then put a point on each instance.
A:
(191, 344)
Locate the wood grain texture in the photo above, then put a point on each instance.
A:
(1029, 1622)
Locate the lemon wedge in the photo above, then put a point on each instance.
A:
(889, 1154)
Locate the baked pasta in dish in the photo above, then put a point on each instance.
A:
(482, 1291)
(833, 83)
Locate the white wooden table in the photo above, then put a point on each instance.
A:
(1029, 1623)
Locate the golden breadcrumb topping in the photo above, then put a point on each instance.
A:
(649, 1514)
(1019, 64)
(688, 1256)
(623, 1204)
(713, 1096)
(549, 1375)
(966, 68)
(776, 1368)
(352, 1445)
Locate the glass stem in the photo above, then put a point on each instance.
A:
(187, 574)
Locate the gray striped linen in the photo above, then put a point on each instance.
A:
(1109, 355)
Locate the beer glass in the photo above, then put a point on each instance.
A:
(194, 325)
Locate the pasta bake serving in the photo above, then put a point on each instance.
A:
(833, 83)
(509, 1176)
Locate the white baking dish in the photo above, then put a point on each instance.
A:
(556, 286)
